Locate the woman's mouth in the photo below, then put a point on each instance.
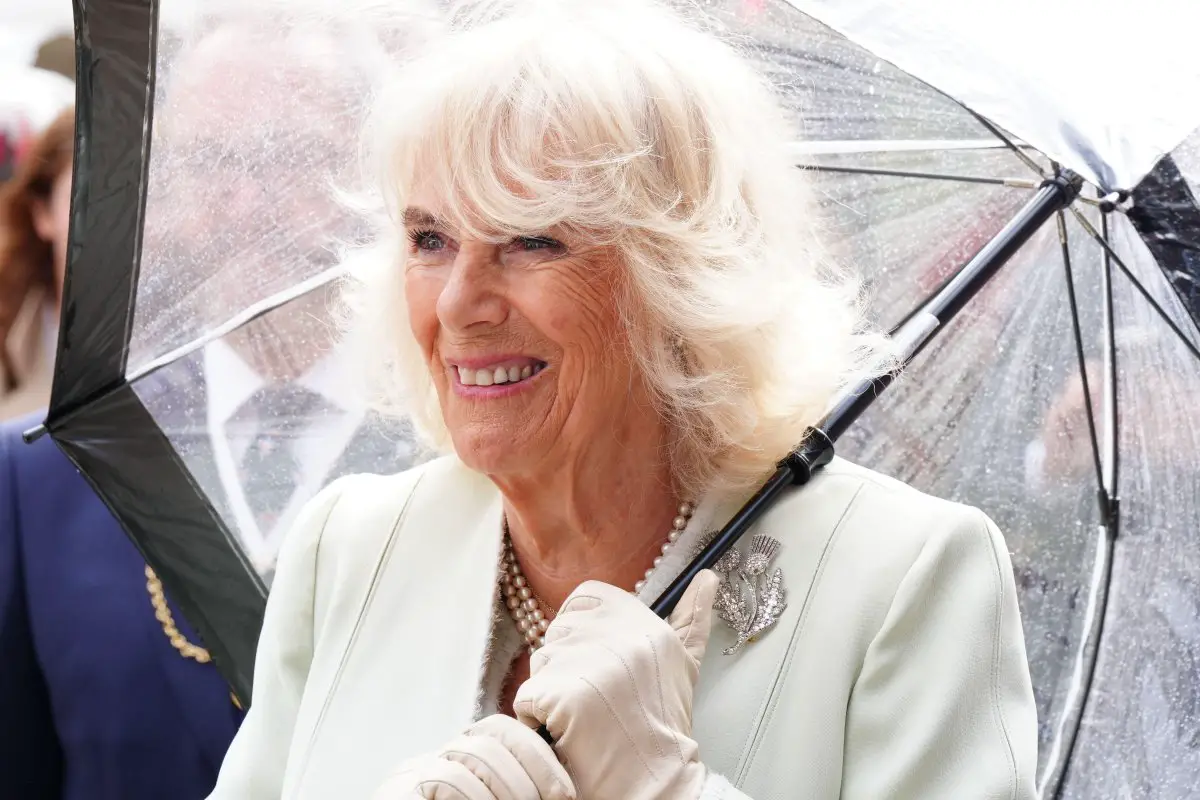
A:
(504, 372)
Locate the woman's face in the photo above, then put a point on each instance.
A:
(524, 343)
(52, 220)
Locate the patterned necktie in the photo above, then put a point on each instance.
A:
(269, 472)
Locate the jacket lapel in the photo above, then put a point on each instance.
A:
(426, 622)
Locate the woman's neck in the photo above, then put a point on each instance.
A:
(601, 516)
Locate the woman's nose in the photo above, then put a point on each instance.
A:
(472, 296)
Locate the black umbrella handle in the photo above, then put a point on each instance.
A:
(794, 470)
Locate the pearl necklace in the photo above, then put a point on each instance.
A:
(527, 611)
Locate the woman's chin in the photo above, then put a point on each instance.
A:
(493, 452)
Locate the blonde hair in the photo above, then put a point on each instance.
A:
(637, 128)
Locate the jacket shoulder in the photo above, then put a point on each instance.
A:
(878, 504)
(881, 524)
(356, 515)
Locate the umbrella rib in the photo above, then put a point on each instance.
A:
(1077, 332)
(1112, 449)
(1083, 670)
(247, 316)
(1087, 656)
(1002, 136)
(1016, 183)
(840, 147)
(1142, 290)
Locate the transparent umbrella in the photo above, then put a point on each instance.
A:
(201, 388)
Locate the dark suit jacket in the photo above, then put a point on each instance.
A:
(95, 703)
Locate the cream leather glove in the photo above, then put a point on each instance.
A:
(614, 686)
(497, 758)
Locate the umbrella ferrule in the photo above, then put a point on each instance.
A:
(1071, 184)
(815, 452)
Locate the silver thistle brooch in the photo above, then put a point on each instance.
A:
(748, 599)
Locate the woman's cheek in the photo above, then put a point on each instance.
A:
(421, 292)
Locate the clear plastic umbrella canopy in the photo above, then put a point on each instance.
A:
(203, 389)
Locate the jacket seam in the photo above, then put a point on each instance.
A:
(771, 701)
(997, 644)
(337, 676)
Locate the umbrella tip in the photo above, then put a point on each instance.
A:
(33, 434)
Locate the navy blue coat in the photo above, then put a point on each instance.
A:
(95, 703)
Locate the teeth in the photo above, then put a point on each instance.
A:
(495, 376)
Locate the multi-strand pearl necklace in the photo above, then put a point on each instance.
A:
(527, 611)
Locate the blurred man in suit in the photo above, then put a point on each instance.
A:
(241, 211)
(106, 692)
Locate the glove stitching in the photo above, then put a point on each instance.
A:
(617, 718)
(662, 700)
(690, 625)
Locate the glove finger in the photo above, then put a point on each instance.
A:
(692, 617)
(594, 595)
(538, 759)
(489, 761)
(433, 778)
(557, 692)
(557, 631)
(538, 698)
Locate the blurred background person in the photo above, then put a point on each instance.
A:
(105, 689)
(102, 694)
(254, 132)
(95, 701)
(34, 217)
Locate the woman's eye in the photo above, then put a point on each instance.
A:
(537, 243)
(426, 240)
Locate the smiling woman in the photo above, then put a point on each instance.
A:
(545, 150)
(599, 289)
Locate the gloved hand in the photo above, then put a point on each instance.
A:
(614, 685)
(497, 758)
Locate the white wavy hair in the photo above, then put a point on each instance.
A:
(635, 127)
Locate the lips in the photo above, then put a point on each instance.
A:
(513, 370)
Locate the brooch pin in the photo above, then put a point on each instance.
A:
(748, 599)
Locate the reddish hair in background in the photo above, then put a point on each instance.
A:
(26, 260)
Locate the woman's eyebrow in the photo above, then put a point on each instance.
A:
(419, 218)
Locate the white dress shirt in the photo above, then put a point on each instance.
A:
(317, 446)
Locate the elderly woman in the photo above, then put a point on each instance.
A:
(603, 296)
